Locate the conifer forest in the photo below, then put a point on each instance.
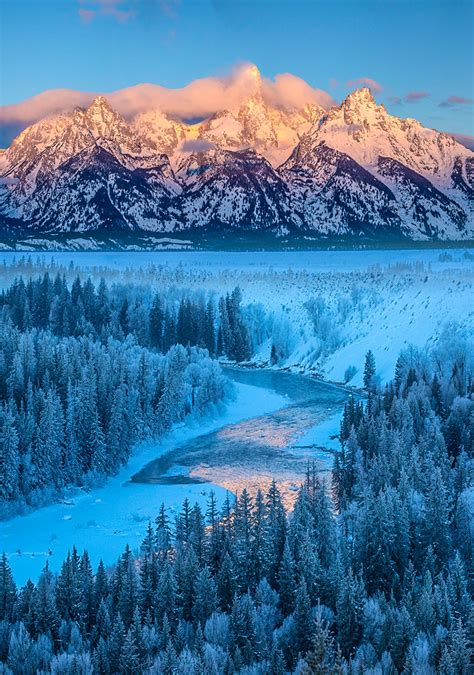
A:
(350, 551)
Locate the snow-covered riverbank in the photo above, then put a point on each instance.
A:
(263, 416)
(104, 520)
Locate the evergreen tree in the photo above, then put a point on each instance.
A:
(206, 596)
(320, 660)
(349, 604)
(9, 455)
(302, 621)
(8, 592)
(286, 581)
(226, 582)
(369, 370)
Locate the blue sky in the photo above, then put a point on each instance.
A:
(420, 49)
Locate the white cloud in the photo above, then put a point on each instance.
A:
(200, 98)
(197, 145)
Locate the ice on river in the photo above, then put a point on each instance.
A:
(258, 437)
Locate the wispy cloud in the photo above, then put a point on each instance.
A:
(415, 96)
(465, 139)
(394, 100)
(453, 101)
(120, 10)
(169, 7)
(411, 97)
(86, 14)
(197, 145)
(288, 91)
(123, 10)
(366, 82)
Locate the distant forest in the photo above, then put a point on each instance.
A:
(157, 321)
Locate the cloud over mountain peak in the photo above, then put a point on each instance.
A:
(198, 99)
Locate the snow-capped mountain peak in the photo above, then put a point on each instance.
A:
(366, 131)
(358, 97)
(100, 116)
(252, 79)
(360, 110)
(353, 170)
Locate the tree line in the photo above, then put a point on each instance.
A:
(156, 320)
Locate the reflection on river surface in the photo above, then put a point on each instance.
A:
(253, 452)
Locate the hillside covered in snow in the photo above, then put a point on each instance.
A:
(319, 311)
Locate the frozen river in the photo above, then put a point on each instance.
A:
(277, 422)
(251, 452)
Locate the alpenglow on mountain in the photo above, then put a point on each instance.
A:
(352, 172)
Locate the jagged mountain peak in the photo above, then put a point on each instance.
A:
(164, 133)
(361, 96)
(366, 131)
(97, 116)
(101, 109)
(100, 102)
(253, 105)
(253, 78)
(312, 112)
(253, 102)
(102, 120)
(354, 169)
(360, 107)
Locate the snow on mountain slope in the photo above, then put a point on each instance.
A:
(92, 190)
(256, 124)
(334, 195)
(88, 171)
(432, 211)
(43, 147)
(166, 134)
(366, 131)
(235, 189)
(364, 170)
(353, 171)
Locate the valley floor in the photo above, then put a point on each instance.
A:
(260, 435)
(383, 300)
(105, 519)
(378, 300)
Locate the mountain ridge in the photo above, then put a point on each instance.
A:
(352, 171)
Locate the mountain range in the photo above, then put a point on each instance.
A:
(353, 172)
